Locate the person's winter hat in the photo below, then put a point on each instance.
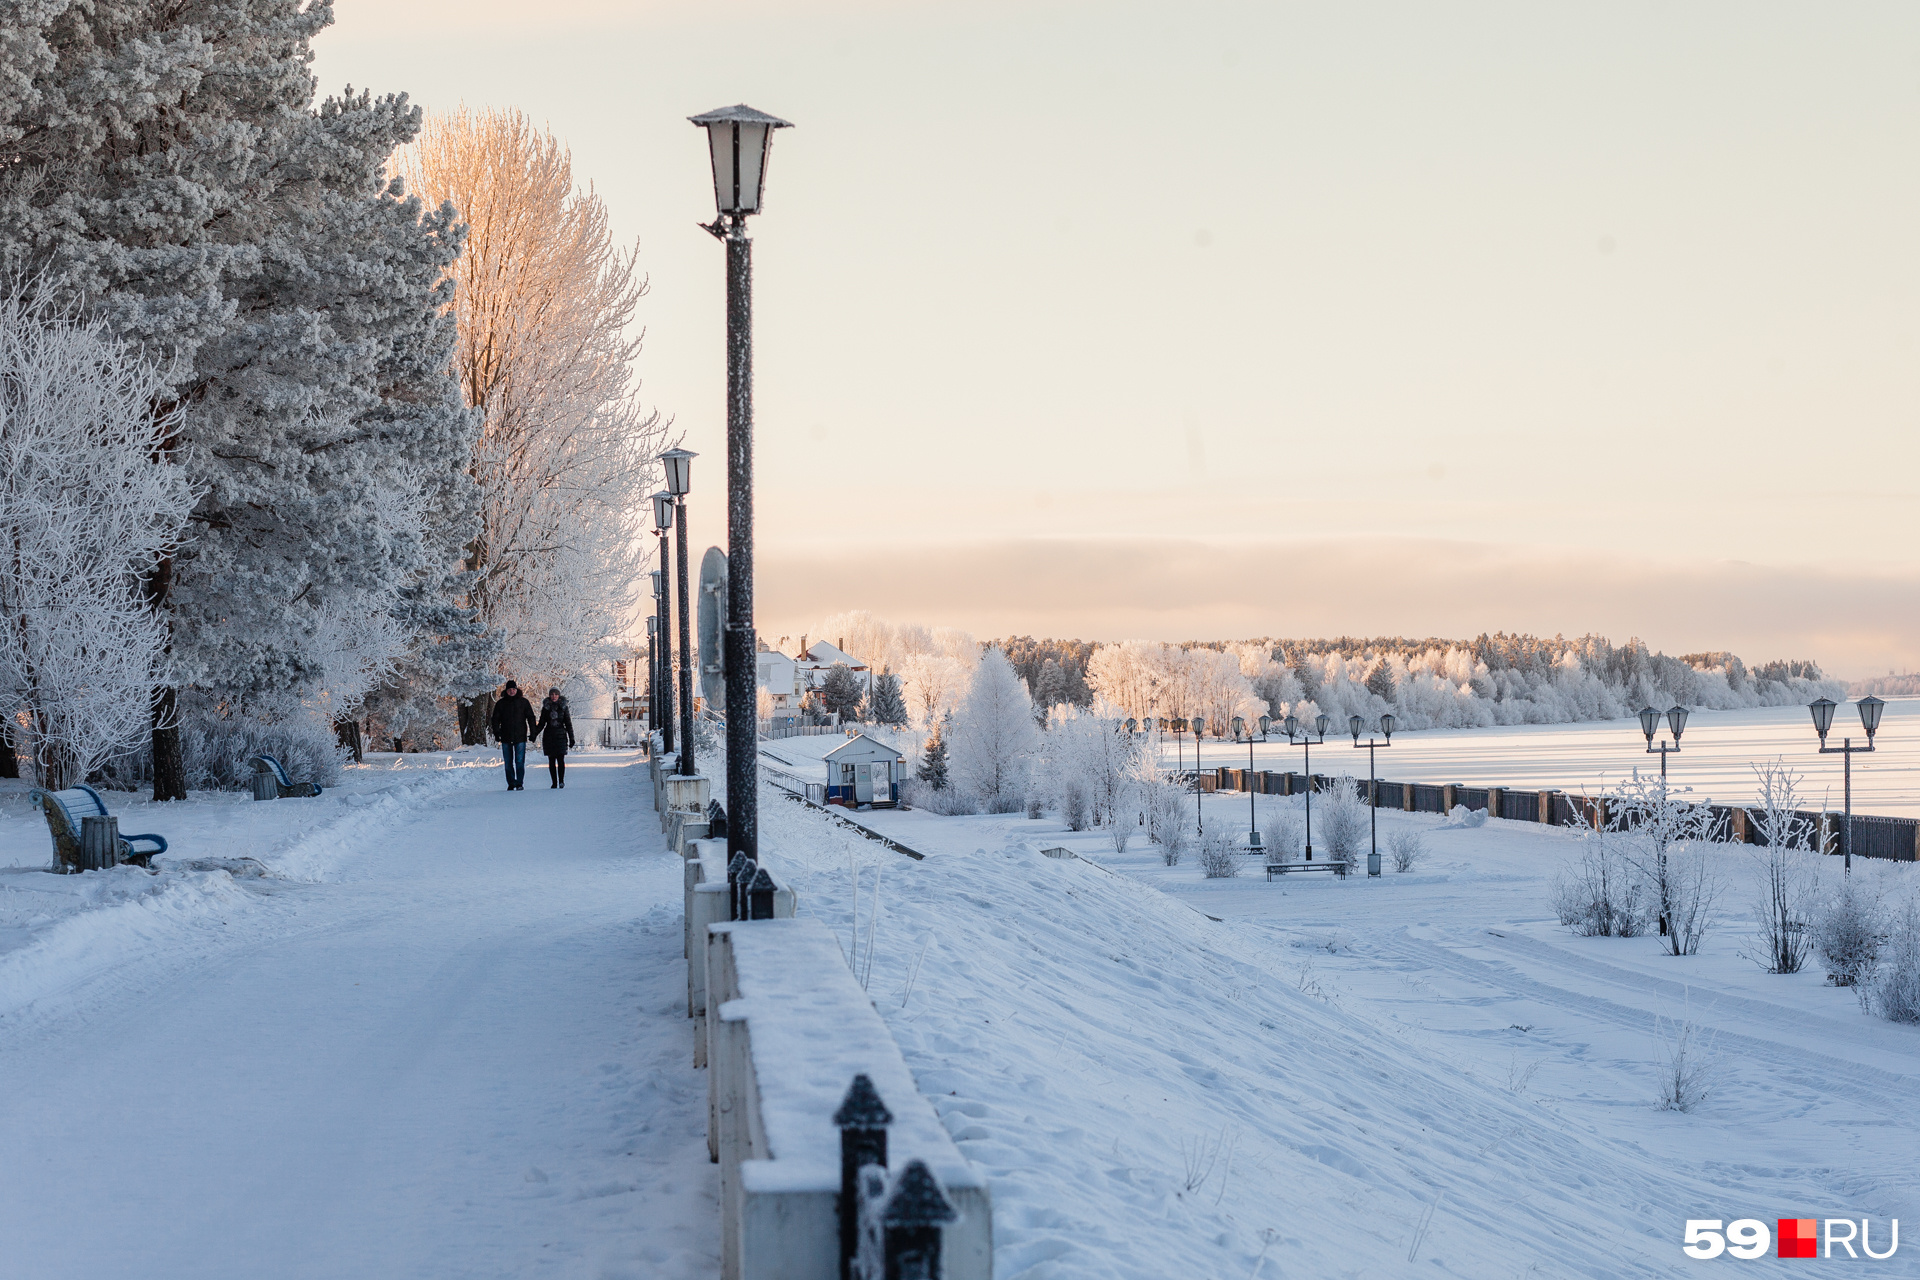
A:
(553, 693)
(511, 687)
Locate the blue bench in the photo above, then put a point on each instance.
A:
(288, 787)
(64, 809)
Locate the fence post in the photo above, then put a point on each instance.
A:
(1448, 798)
(1493, 802)
(1406, 797)
(862, 1120)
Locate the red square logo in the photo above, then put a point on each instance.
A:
(1799, 1237)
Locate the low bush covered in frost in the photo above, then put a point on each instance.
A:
(1343, 816)
(1406, 848)
(1893, 990)
(1284, 831)
(1219, 860)
(215, 748)
(1601, 895)
(1847, 930)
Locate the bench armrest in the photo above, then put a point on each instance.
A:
(159, 842)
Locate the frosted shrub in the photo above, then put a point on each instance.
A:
(1218, 860)
(1406, 848)
(214, 752)
(1846, 932)
(1787, 873)
(1344, 821)
(1692, 889)
(1283, 832)
(1893, 991)
(1601, 895)
(1036, 804)
(1073, 802)
(947, 801)
(1163, 803)
(1686, 1065)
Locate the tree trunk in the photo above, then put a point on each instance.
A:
(169, 766)
(348, 733)
(475, 713)
(9, 761)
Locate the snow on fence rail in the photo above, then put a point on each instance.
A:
(832, 1166)
(1873, 836)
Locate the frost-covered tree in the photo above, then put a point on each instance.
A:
(86, 510)
(545, 302)
(841, 692)
(994, 734)
(887, 706)
(166, 167)
(933, 759)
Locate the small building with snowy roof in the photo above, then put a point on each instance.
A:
(815, 660)
(863, 770)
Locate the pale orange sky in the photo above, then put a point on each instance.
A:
(1227, 319)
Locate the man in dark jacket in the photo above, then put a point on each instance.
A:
(513, 722)
(556, 735)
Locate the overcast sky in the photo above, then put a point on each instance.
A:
(1210, 320)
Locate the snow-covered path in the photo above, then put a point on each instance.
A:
(463, 1054)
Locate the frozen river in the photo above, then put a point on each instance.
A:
(1718, 752)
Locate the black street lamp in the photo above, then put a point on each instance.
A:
(740, 139)
(653, 674)
(1199, 727)
(1253, 821)
(679, 465)
(1650, 725)
(1870, 709)
(1292, 725)
(1355, 725)
(663, 584)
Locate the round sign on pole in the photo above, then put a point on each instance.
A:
(712, 617)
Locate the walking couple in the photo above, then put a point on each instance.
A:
(514, 722)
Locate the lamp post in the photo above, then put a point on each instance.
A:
(739, 140)
(1822, 710)
(1292, 725)
(679, 465)
(1650, 725)
(663, 582)
(1199, 727)
(653, 678)
(1253, 819)
(1355, 724)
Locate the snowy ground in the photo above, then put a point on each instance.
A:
(1294, 1088)
(1719, 749)
(442, 1035)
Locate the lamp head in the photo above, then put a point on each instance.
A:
(1387, 725)
(1320, 723)
(1199, 725)
(1677, 721)
(1239, 726)
(1870, 708)
(679, 465)
(662, 512)
(1354, 725)
(1822, 709)
(1292, 725)
(1266, 725)
(740, 140)
(1649, 723)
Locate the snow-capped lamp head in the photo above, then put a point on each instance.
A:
(1649, 723)
(662, 513)
(1354, 725)
(1677, 721)
(1320, 723)
(679, 465)
(740, 140)
(1239, 726)
(1292, 725)
(1870, 708)
(1822, 709)
(1387, 725)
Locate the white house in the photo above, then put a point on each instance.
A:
(818, 658)
(862, 770)
(780, 677)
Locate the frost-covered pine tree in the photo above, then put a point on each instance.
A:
(886, 705)
(165, 167)
(994, 734)
(933, 758)
(86, 510)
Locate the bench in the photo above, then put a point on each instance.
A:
(65, 809)
(1287, 868)
(288, 788)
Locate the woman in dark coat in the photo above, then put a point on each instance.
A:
(556, 735)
